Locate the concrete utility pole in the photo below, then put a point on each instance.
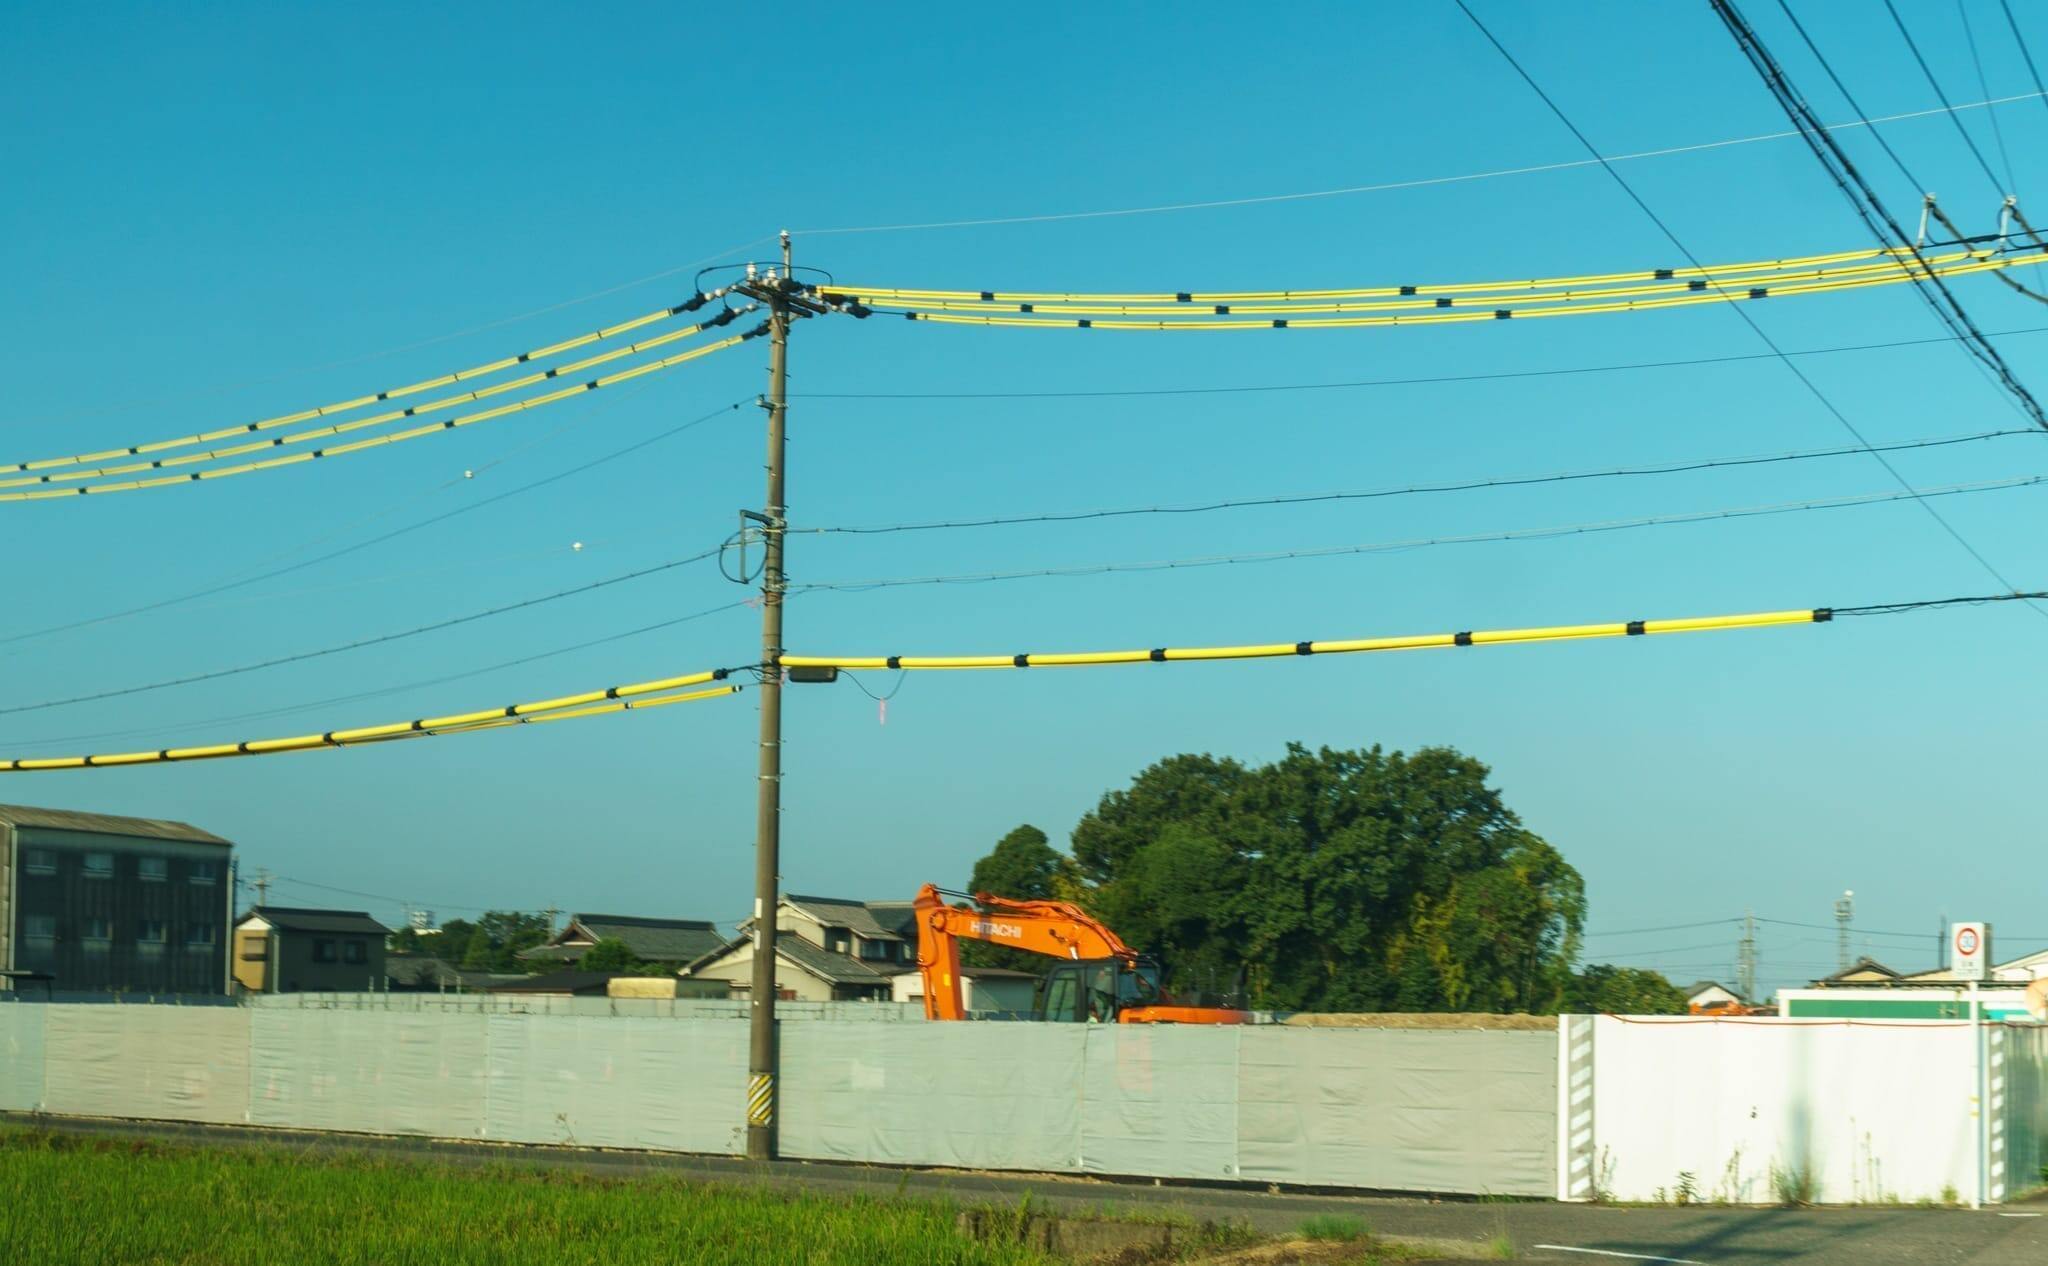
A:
(1845, 910)
(262, 886)
(774, 290)
(1745, 959)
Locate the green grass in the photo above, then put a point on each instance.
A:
(1330, 1226)
(73, 1200)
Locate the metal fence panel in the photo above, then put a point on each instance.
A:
(21, 1058)
(668, 1085)
(1417, 1110)
(979, 1096)
(2025, 1074)
(150, 1062)
(1160, 1101)
(377, 1072)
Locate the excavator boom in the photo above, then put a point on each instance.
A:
(1056, 929)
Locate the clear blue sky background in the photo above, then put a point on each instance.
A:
(217, 214)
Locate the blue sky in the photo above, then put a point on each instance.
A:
(220, 213)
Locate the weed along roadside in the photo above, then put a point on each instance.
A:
(127, 1199)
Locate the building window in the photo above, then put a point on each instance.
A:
(96, 934)
(323, 951)
(255, 948)
(877, 950)
(99, 865)
(40, 927)
(205, 872)
(199, 936)
(150, 937)
(354, 952)
(153, 869)
(40, 861)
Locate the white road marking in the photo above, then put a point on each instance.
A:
(2019, 1215)
(1634, 1257)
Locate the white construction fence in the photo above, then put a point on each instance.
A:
(1748, 1111)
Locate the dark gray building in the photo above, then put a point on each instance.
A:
(289, 949)
(102, 903)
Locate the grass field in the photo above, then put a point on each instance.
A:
(72, 1200)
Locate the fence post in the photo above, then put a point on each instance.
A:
(1576, 1179)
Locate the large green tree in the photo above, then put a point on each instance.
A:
(1337, 881)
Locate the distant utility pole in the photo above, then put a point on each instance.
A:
(1845, 910)
(262, 886)
(1745, 959)
(779, 292)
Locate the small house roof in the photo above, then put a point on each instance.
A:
(303, 919)
(563, 982)
(875, 920)
(105, 824)
(651, 940)
(1864, 971)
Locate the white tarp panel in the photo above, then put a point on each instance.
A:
(979, 1096)
(21, 1057)
(1861, 1112)
(377, 1072)
(1161, 1101)
(1408, 1110)
(151, 1062)
(669, 1085)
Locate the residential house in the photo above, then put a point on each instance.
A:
(982, 990)
(286, 949)
(828, 950)
(1708, 995)
(671, 942)
(423, 973)
(92, 902)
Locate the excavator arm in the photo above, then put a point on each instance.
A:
(1056, 929)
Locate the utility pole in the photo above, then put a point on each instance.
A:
(262, 886)
(1745, 959)
(773, 290)
(1845, 910)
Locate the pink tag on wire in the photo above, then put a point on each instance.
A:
(881, 711)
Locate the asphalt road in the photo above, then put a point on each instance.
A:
(2016, 1235)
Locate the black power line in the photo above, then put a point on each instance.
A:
(1997, 132)
(1913, 46)
(2020, 42)
(1870, 209)
(1812, 388)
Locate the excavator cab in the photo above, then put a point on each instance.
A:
(1097, 991)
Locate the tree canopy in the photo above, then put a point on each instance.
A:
(611, 954)
(1328, 880)
(1023, 866)
(1606, 989)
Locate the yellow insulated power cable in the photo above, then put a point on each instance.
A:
(389, 393)
(886, 293)
(642, 694)
(378, 419)
(1275, 650)
(1454, 316)
(395, 437)
(1888, 268)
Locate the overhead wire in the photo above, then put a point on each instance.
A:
(1444, 311)
(610, 699)
(2019, 41)
(1466, 485)
(1754, 50)
(1430, 380)
(2041, 93)
(397, 437)
(1913, 46)
(378, 419)
(660, 692)
(495, 366)
(360, 643)
(1381, 547)
(1997, 132)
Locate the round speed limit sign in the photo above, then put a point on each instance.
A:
(1966, 941)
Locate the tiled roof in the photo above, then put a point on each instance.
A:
(651, 940)
(413, 971)
(876, 920)
(105, 824)
(840, 969)
(299, 919)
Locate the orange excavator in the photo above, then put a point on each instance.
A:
(1101, 980)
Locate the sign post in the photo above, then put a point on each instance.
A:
(1969, 958)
